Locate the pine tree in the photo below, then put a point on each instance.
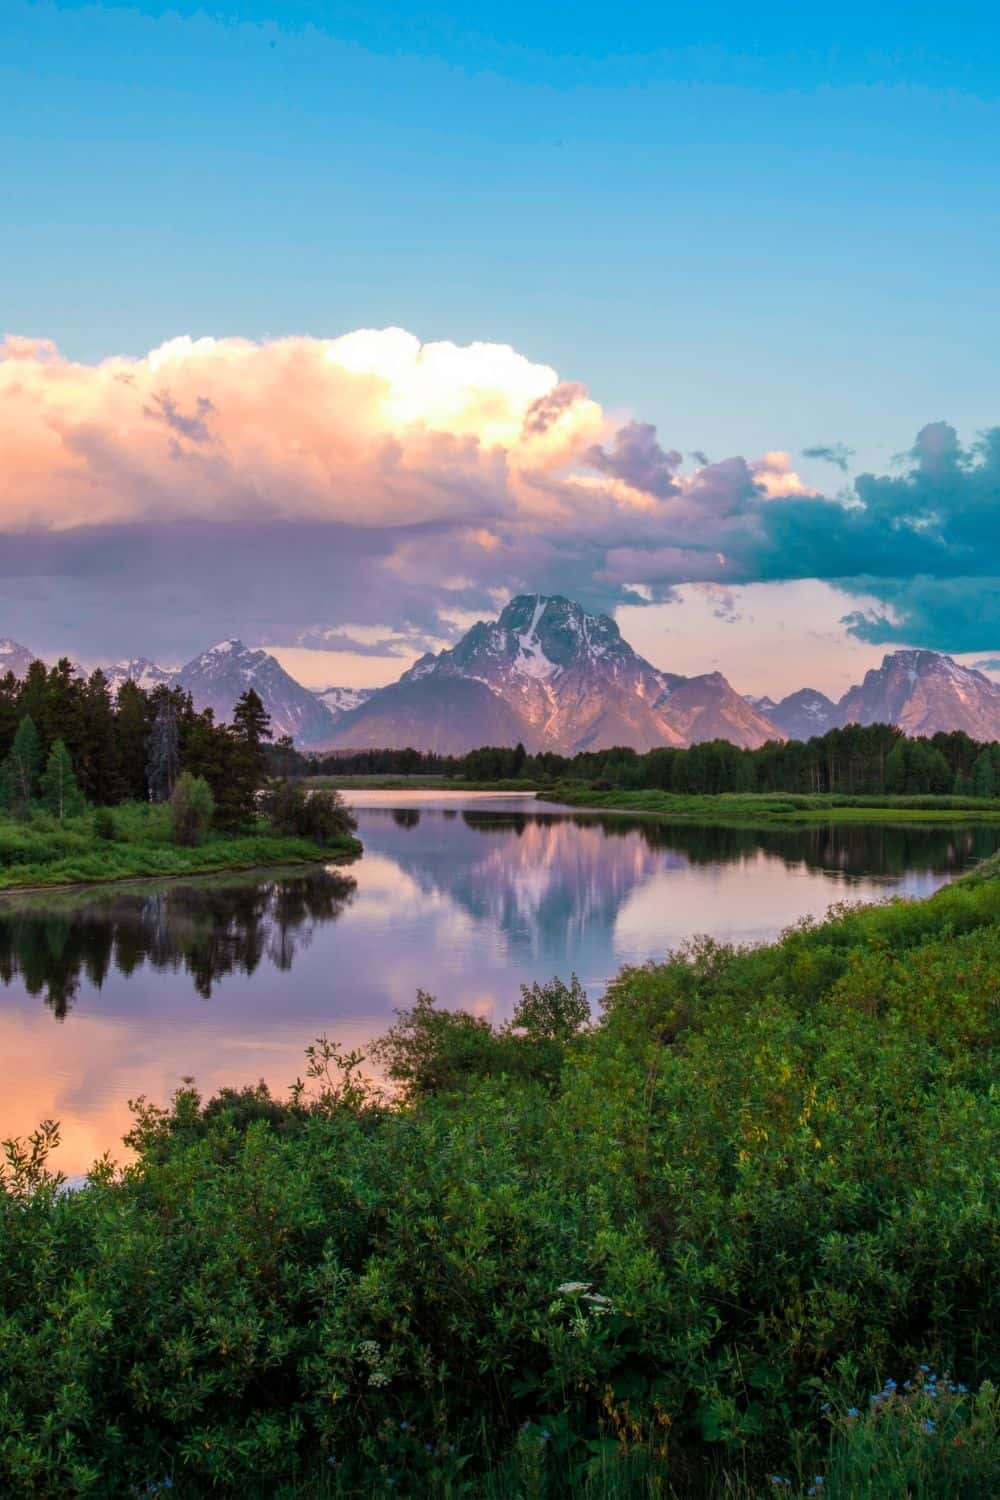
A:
(250, 731)
(984, 781)
(60, 793)
(133, 726)
(19, 773)
(97, 760)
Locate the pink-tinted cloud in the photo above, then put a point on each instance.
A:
(372, 429)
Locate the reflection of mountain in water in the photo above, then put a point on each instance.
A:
(554, 883)
(208, 928)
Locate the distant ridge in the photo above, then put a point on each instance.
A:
(924, 692)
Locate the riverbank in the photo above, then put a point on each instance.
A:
(44, 854)
(417, 784)
(773, 809)
(671, 1252)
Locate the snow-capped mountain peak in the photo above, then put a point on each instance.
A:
(341, 700)
(140, 670)
(923, 692)
(14, 657)
(555, 677)
(218, 677)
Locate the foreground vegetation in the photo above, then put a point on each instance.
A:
(767, 809)
(738, 1236)
(138, 840)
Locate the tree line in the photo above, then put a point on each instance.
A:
(68, 740)
(869, 759)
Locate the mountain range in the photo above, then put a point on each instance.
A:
(554, 677)
(921, 691)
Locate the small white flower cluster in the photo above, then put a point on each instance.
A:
(369, 1351)
(596, 1302)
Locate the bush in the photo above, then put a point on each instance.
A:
(321, 816)
(192, 808)
(104, 824)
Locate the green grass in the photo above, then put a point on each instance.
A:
(43, 852)
(772, 809)
(668, 1254)
(394, 783)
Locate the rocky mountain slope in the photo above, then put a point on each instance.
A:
(554, 677)
(14, 657)
(340, 700)
(923, 692)
(140, 670)
(709, 708)
(219, 676)
(802, 715)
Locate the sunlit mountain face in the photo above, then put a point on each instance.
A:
(550, 675)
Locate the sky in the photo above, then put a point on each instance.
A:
(331, 326)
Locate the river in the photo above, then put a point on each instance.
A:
(117, 991)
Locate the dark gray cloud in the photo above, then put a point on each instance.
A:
(637, 457)
(192, 425)
(325, 638)
(832, 453)
(549, 408)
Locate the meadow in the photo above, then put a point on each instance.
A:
(768, 809)
(735, 1235)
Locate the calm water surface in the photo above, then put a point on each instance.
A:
(125, 990)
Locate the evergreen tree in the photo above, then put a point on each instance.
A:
(60, 793)
(19, 773)
(132, 728)
(984, 780)
(97, 758)
(64, 714)
(10, 692)
(250, 731)
(252, 724)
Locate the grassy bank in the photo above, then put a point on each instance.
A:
(703, 1241)
(43, 852)
(771, 809)
(417, 783)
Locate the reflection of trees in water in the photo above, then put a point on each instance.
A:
(856, 850)
(206, 928)
(406, 817)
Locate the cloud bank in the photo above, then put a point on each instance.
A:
(375, 479)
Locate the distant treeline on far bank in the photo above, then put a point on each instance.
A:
(870, 759)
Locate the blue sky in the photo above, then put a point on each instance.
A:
(754, 227)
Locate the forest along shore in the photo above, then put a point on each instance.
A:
(96, 786)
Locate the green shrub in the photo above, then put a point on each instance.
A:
(319, 815)
(104, 824)
(192, 808)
